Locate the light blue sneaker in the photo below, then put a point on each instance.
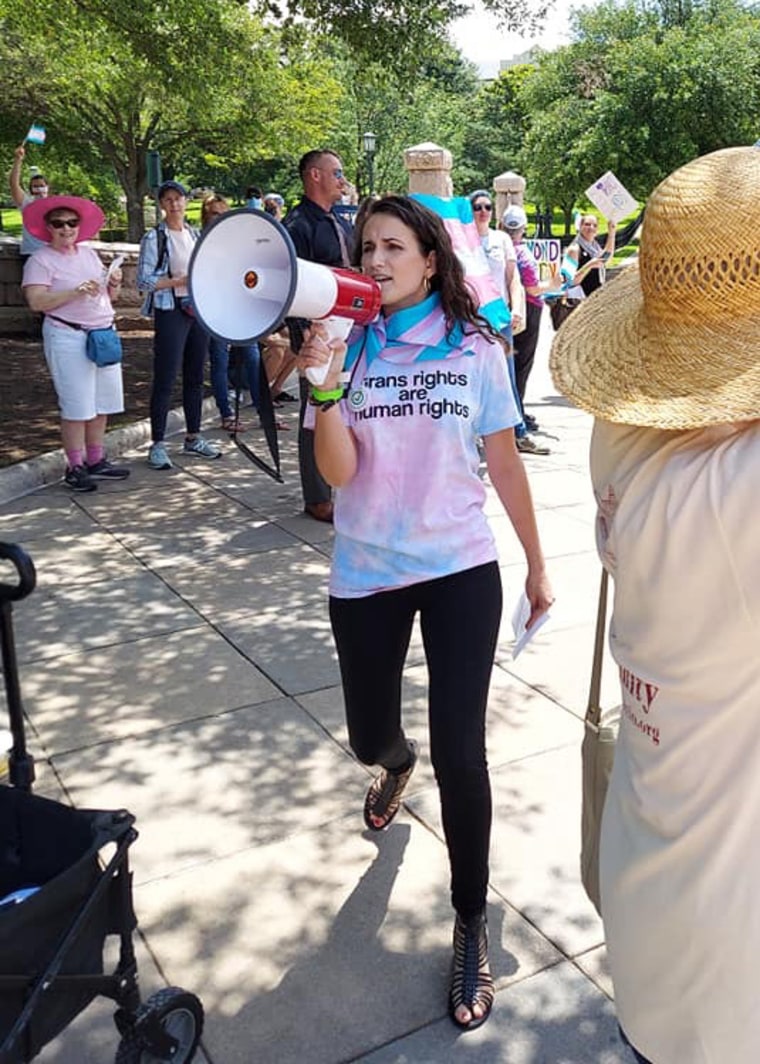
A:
(202, 448)
(158, 457)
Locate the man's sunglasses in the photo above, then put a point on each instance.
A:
(58, 223)
(483, 207)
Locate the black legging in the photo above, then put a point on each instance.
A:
(525, 346)
(459, 618)
(178, 341)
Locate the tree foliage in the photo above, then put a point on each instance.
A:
(232, 93)
(186, 78)
(642, 90)
(398, 33)
(496, 128)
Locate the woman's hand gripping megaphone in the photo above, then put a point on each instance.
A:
(323, 352)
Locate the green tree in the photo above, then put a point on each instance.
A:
(398, 33)
(188, 79)
(640, 91)
(433, 104)
(496, 128)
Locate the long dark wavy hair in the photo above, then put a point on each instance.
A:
(459, 306)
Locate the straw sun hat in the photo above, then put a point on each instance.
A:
(675, 341)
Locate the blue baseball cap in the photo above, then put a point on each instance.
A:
(171, 186)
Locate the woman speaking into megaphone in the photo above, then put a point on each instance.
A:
(399, 443)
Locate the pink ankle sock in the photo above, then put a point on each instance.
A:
(75, 458)
(95, 453)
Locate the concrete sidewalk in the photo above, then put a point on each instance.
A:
(177, 660)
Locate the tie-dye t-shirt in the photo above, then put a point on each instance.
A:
(414, 509)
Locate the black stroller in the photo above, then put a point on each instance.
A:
(65, 886)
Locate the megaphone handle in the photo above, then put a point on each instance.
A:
(337, 329)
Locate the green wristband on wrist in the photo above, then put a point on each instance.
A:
(325, 397)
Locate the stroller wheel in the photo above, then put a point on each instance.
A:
(178, 1014)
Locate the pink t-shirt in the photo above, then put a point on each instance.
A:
(58, 270)
(529, 275)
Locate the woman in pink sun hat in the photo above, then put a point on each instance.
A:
(68, 284)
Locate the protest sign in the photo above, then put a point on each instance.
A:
(611, 198)
(548, 256)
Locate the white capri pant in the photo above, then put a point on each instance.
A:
(84, 390)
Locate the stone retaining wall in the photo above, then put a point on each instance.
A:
(15, 317)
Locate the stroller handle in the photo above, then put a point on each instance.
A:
(27, 576)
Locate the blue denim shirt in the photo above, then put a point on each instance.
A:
(150, 271)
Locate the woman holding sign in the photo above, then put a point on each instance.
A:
(583, 263)
(400, 445)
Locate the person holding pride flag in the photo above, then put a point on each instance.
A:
(38, 189)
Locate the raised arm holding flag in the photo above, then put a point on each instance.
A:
(38, 189)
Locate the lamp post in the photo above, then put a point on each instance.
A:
(369, 142)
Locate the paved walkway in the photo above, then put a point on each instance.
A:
(177, 660)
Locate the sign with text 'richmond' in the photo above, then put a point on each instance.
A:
(548, 256)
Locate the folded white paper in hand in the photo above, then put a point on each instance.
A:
(520, 617)
(114, 267)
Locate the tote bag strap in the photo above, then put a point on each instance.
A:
(594, 709)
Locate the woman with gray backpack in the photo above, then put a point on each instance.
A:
(179, 339)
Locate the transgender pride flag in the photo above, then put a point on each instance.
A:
(460, 225)
(36, 134)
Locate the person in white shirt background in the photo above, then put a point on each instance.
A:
(502, 262)
(179, 339)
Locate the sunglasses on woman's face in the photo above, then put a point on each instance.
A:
(483, 207)
(58, 223)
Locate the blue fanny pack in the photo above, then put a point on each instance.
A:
(103, 345)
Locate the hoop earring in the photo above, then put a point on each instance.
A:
(427, 285)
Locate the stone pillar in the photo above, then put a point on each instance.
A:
(429, 169)
(509, 188)
(15, 316)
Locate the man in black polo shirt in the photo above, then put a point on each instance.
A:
(319, 236)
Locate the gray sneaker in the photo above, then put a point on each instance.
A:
(525, 445)
(202, 448)
(158, 457)
(107, 470)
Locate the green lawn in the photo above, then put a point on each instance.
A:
(11, 225)
(11, 219)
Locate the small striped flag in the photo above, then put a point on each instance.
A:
(36, 134)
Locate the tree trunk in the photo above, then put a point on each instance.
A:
(568, 215)
(133, 179)
(135, 217)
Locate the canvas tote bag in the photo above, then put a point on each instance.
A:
(597, 755)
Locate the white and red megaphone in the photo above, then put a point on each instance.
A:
(244, 279)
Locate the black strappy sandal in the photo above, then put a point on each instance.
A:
(384, 795)
(471, 981)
